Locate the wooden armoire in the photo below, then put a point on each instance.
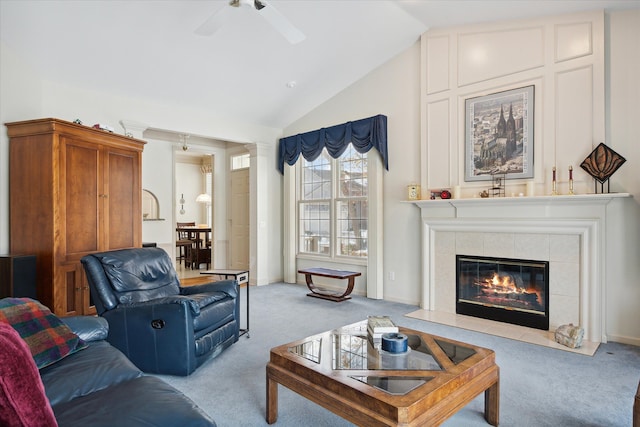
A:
(73, 190)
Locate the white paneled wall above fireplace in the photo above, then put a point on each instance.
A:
(561, 56)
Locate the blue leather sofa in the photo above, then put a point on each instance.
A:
(100, 387)
(160, 326)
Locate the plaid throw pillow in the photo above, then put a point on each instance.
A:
(48, 338)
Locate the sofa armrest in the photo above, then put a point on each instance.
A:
(88, 328)
(229, 287)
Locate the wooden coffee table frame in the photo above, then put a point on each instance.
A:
(429, 404)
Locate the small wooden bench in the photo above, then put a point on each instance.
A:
(334, 274)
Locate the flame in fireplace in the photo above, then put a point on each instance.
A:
(502, 284)
(505, 284)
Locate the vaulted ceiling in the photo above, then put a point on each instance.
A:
(245, 69)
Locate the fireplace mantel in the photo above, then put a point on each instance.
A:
(522, 204)
(578, 215)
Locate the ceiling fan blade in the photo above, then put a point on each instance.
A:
(214, 22)
(281, 24)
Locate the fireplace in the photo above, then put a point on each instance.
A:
(507, 290)
(568, 231)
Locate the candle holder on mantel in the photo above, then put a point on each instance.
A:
(554, 189)
(571, 180)
(601, 164)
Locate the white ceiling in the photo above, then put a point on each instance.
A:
(148, 49)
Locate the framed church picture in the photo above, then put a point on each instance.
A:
(499, 135)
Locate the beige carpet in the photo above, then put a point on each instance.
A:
(515, 332)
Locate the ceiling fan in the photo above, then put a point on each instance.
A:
(266, 10)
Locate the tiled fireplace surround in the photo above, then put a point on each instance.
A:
(567, 231)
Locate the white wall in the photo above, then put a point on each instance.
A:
(622, 93)
(28, 94)
(394, 90)
(189, 183)
(20, 95)
(156, 153)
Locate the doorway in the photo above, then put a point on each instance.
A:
(194, 187)
(227, 213)
(239, 219)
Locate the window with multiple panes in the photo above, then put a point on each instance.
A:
(240, 161)
(333, 205)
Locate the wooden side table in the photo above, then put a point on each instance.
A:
(241, 276)
(334, 274)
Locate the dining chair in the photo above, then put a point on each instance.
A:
(184, 242)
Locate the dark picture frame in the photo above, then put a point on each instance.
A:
(499, 135)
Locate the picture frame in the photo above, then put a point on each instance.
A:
(499, 135)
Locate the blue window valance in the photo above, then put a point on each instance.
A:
(364, 134)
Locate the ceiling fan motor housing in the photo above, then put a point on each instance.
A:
(256, 4)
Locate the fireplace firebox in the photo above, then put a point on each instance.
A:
(506, 290)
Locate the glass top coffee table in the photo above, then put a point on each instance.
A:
(344, 372)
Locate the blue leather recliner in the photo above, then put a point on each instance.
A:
(162, 327)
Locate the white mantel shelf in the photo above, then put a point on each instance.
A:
(494, 202)
(583, 215)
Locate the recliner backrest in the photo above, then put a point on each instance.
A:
(138, 274)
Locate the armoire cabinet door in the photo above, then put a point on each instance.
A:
(80, 181)
(102, 198)
(122, 198)
(69, 294)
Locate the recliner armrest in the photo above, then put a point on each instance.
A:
(229, 287)
(88, 328)
(191, 305)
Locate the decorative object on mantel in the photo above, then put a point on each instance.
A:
(456, 192)
(444, 193)
(413, 192)
(498, 184)
(554, 189)
(601, 164)
(571, 179)
(484, 194)
(569, 335)
(531, 189)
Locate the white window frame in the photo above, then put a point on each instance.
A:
(332, 202)
(373, 264)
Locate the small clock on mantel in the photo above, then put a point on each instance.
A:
(413, 192)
